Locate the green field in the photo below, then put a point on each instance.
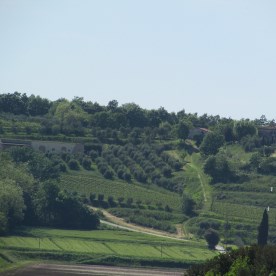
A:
(43, 243)
(92, 182)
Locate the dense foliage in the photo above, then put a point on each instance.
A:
(251, 261)
(29, 195)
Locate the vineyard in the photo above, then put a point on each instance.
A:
(91, 182)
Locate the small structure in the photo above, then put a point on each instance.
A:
(268, 134)
(44, 146)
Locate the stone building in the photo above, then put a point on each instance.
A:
(268, 134)
(44, 146)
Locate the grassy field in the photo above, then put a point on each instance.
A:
(41, 243)
(92, 182)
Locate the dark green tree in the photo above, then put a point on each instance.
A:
(263, 229)
(188, 205)
(183, 130)
(244, 128)
(211, 143)
(212, 238)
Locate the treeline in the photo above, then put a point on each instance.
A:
(29, 194)
(82, 118)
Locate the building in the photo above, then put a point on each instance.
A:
(268, 134)
(44, 146)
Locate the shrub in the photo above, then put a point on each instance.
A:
(86, 163)
(74, 165)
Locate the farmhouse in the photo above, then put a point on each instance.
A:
(268, 134)
(44, 146)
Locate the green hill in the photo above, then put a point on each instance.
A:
(176, 172)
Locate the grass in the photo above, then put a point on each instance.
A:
(87, 182)
(101, 243)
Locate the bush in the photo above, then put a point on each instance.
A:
(86, 163)
(74, 165)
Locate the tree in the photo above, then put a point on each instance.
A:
(74, 165)
(244, 128)
(11, 205)
(220, 168)
(188, 205)
(38, 106)
(211, 143)
(263, 229)
(183, 130)
(212, 238)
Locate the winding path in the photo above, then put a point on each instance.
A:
(114, 221)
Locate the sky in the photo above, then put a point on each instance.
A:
(204, 56)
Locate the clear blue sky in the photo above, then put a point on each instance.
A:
(205, 56)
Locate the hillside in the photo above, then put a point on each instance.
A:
(175, 172)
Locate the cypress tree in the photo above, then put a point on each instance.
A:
(263, 229)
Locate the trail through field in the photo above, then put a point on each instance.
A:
(65, 270)
(203, 183)
(122, 224)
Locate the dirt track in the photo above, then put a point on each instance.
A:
(121, 223)
(66, 270)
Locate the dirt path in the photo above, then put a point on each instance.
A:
(66, 270)
(203, 184)
(122, 224)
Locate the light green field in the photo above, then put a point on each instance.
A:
(105, 243)
(91, 182)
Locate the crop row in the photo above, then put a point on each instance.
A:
(91, 183)
(178, 251)
(242, 211)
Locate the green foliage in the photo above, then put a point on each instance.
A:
(243, 128)
(63, 209)
(188, 205)
(92, 183)
(220, 168)
(183, 130)
(41, 167)
(250, 143)
(211, 143)
(3, 223)
(240, 267)
(268, 166)
(212, 237)
(11, 205)
(226, 128)
(86, 163)
(254, 260)
(74, 164)
(70, 117)
(153, 219)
